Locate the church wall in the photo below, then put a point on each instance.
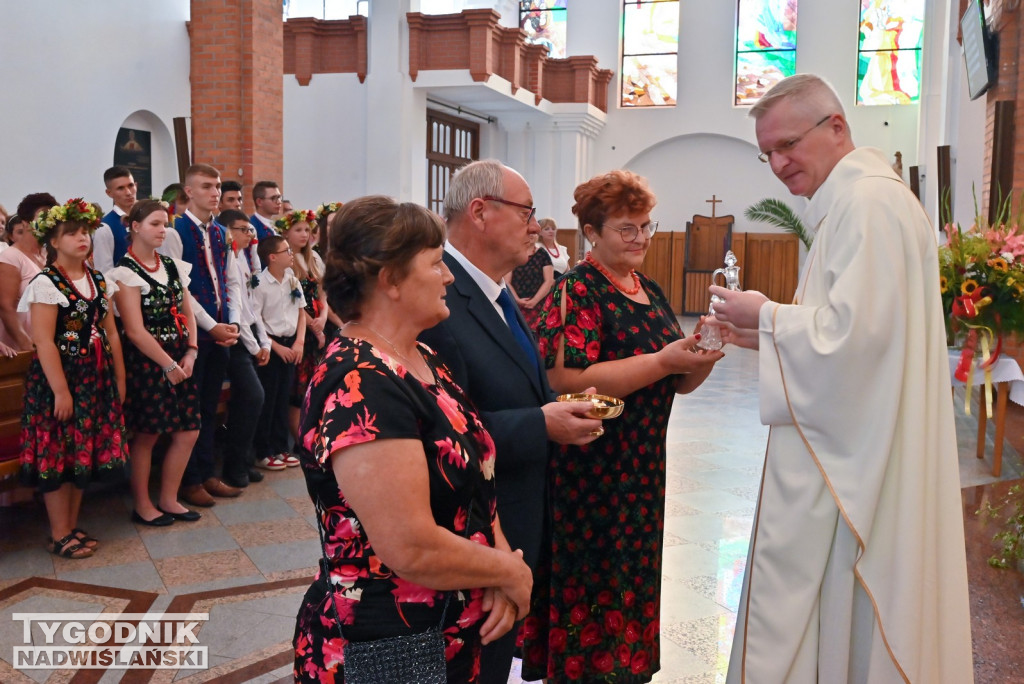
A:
(827, 45)
(71, 83)
(325, 156)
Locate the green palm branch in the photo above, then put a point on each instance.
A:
(781, 215)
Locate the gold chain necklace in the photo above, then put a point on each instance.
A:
(409, 364)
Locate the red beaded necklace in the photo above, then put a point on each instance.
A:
(140, 262)
(611, 279)
(553, 252)
(71, 283)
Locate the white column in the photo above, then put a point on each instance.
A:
(395, 111)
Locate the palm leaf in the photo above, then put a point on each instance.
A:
(779, 214)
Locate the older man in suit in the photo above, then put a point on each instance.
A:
(493, 356)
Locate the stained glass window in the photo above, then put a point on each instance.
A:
(650, 47)
(544, 23)
(889, 55)
(765, 46)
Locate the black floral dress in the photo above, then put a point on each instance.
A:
(596, 604)
(90, 445)
(153, 405)
(311, 354)
(528, 278)
(357, 394)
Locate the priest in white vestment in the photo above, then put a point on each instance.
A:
(856, 570)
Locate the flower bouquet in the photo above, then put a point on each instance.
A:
(981, 276)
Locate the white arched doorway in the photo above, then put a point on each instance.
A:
(158, 156)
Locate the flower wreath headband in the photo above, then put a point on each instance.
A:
(285, 223)
(326, 209)
(76, 209)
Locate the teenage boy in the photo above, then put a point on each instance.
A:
(246, 400)
(110, 241)
(266, 195)
(200, 241)
(279, 303)
(230, 196)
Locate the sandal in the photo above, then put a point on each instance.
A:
(83, 537)
(69, 547)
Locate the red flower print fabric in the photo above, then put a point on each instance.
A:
(358, 394)
(595, 613)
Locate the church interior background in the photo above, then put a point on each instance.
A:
(340, 98)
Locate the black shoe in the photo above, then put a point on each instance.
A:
(159, 521)
(241, 481)
(187, 516)
(255, 475)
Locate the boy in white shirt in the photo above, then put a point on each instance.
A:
(252, 351)
(278, 302)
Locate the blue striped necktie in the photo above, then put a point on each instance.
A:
(512, 318)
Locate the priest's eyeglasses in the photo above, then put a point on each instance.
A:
(787, 146)
(630, 233)
(526, 219)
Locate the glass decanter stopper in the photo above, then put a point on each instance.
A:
(710, 337)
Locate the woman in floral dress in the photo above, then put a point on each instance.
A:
(72, 428)
(595, 616)
(397, 462)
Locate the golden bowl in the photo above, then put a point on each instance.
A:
(604, 406)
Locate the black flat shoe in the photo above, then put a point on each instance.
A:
(159, 521)
(187, 516)
(255, 475)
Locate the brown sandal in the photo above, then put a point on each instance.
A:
(69, 547)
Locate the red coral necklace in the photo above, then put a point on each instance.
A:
(92, 286)
(140, 262)
(611, 279)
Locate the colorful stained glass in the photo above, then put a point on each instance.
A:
(650, 27)
(649, 80)
(889, 58)
(765, 46)
(757, 72)
(650, 45)
(545, 23)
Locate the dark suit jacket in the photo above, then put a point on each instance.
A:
(477, 346)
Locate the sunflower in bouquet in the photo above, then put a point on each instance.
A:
(981, 274)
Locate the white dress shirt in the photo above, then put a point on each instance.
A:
(103, 245)
(247, 317)
(275, 305)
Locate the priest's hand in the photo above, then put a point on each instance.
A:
(748, 338)
(741, 308)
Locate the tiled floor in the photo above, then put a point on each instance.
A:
(247, 561)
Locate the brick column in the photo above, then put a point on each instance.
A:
(237, 80)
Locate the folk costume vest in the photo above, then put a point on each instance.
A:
(120, 233)
(202, 284)
(262, 232)
(77, 320)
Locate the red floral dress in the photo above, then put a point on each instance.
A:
(90, 445)
(596, 603)
(357, 395)
(310, 352)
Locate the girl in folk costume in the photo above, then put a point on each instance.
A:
(296, 227)
(72, 425)
(160, 350)
(321, 243)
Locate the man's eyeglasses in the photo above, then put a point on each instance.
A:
(787, 146)
(528, 218)
(629, 232)
(273, 198)
(282, 251)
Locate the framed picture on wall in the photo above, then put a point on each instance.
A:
(133, 150)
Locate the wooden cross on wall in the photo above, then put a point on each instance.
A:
(713, 201)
